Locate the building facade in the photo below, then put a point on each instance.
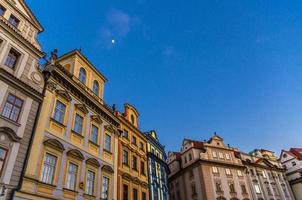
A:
(132, 158)
(266, 175)
(21, 86)
(157, 168)
(206, 171)
(291, 161)
(74, 151)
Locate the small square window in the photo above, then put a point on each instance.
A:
(14, 21)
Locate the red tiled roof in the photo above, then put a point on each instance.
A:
(297, 152)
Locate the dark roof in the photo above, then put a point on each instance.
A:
(297, 152)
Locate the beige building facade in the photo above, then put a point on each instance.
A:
(207, 170)
(21, 86)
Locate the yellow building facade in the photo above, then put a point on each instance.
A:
(74, 152)
(132, 158)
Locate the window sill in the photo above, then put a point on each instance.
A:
(93, 143)
(77, 134)
(70, 190)
(89, 195)
(109, 152)
(11, 121)
(57, 122)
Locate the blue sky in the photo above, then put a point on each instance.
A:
(192, 67)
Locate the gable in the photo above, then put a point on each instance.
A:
(285, 156)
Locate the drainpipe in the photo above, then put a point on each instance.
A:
(46, 74)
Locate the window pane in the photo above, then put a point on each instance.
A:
(94, 134)
(82, 75)
(105, 188)
(2, 10)
(78, 124)
(12, 108)
(95, 88)
(48, 171)
(13, 21)
(90, 182)
(72, 176)
(107, 142)
(59, 112)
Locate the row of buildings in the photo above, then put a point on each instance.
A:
(58, 138)
(212, 170)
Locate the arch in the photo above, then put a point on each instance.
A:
(56, 144)
(11, 133)
(96, 87)
(82, 75)
(108, 169)
(93, 161)
(76, 154)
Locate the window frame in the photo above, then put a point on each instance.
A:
(93, 182)
(82, 74)
(76, 176)
(55, 109)
(125, 160)
(74, 123)
(96, 84)
(94, 127)
(4, 159)
(3, 10)
(13, 106)
(105, 142)
(108, 187)
(16, 20)
(54, 168)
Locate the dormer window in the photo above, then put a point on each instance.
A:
(2, 10)
(95, 87)
(82, 75)
(14, 21)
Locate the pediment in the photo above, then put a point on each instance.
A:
(108, 169)
(76, 154)
(64, 94)
(82, 108)
(54, 143)
(97, 118)
(93, 162)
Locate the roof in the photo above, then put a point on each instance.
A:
(196, 144)
(297, 152)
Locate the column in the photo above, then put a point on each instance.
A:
(59, 192)
(87, 129)
(82, 180)
(99, 183)
(102, 136)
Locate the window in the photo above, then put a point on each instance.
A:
(243, 189)
(94, 134)
(144, 196)
(257, 189)
(135, 197)
(105, 188)
(228, 171)
(72, 176)
(107, 146)
(186, 159)
(269, 191)
(227, 156)
(125, 134)
(59, 112)
(132, 119)
(125, 157)
(12, 59)
(232, 188)
(95, 87)
(215, 170)
(78, 124)
(218, 187)
(14, 21)
(193, 188)
(214, 154)
(125, 192)
(263, 174)
(12, 108)
(190, 157)
(90, 182)
(239, 173)
(134, 140)
(82, 75)
(3, 153)
(143, 168)
(294, 163)
(49, 167)
(221, 156)
(142, 146)
(2, 10)
(134, 163)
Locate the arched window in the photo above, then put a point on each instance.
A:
(95, 87)
(132, 119)
(82, 75)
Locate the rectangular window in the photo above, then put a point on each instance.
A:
(49, 167)
(90, 182)
(125, 157)
(105, 188)
(215, 170)
(143, 168)
(228, 171)
(221, 156)
(12, 108)
(72, 174)
(227, 156)
(3, 153)
(2, 10)
(14, 21)
(125, 134)
(144, 196)
(239, 173)
(59, 113)
(94, 134)
(232, 188)
(214, 154)
(125, 192)
(294, 163)
(134, 140)
(12, 59)
(78, 124)
(264, 174)
(107, 143)
(218, 187)
(243, 189)
(134, 163)
(135, 197)
(257, 189)
(142, 146)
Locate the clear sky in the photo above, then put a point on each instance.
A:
(192, 67)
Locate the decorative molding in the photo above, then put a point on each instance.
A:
(11, 134)
(82, 107)
(53, 143)
(64, 94)
(93, 162)
(97, 118)
(76, 154)
(108, 169)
